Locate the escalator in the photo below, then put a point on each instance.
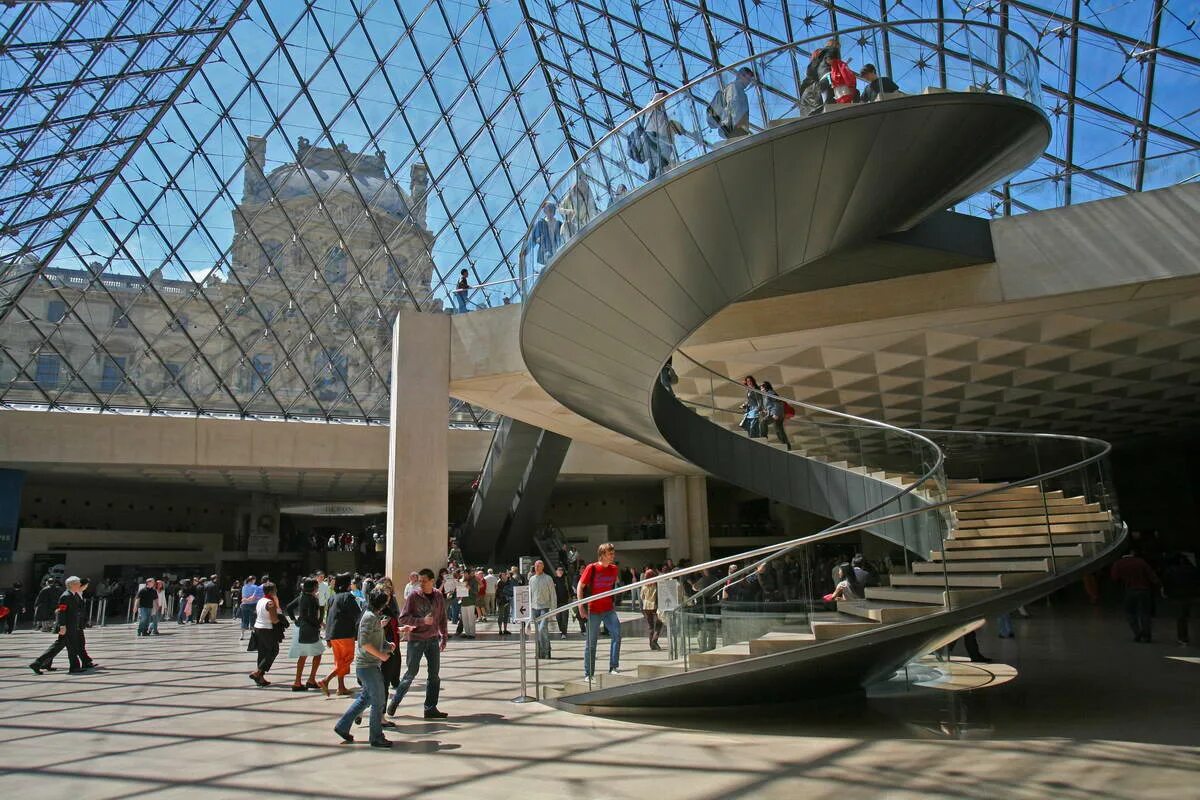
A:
(515, 484)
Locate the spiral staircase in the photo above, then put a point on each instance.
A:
(988, 520)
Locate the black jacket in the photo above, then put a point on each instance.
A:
(69, 612)
(304, 612)
(212, 592)
(343, 616)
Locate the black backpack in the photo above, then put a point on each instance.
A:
(635, 143)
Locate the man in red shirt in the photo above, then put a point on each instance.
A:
(1139, 580)
(598, 577)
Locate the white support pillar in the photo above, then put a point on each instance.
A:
(697, 507)
(418, 467)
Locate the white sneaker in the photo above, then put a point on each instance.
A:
(614, 672)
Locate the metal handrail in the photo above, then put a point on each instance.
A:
(840, 528)
(891, 26)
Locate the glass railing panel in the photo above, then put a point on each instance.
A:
(750, 96)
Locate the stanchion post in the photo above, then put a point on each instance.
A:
(524, 696)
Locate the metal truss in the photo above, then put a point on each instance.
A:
(153, 261)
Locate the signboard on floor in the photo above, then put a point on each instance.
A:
(522, 604)
(668, 595)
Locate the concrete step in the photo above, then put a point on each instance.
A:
(989, 542)
(957, 489)
(1031, 519)
(906, 594)
(660, 670)
(986, 553)
(1023, 565)
(938, 580)
(885, 613)
(931, 596)
(729, 654)
(1055, 528)
(836, 625)
(1054, 509)
(780, 642)
(968, 581)
(1025, 497)
(607, 681)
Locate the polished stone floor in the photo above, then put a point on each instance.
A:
(1089, 715)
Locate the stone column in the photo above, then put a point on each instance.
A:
(697, 505)
(418, 467)
(675, 514)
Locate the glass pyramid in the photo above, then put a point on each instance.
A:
(219, 207)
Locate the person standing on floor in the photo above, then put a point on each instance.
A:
(341, 632)
(160, 609)
(541, 599)
(264, 639)
(304, 611)
(649, 594)
(504, 596)
(562, 596)
(14, 601)
(85, 661)
(1135, 574)
(489, 596)
(67, 619)
(468, 596)
(373, 650)
(598, 577)
(147, 603)
(251, 594)
(324, 595)
(424, 617)
(212, 600)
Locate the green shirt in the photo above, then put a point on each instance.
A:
(370, 631)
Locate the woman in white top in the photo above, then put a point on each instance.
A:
(265, 637)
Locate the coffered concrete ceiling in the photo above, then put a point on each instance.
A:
(1088, 364)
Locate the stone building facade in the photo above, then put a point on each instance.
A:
(296, 321)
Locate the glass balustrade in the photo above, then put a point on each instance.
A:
(1044, 499)
(782, 85)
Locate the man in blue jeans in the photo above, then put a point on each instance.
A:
(541, 597)
(424, 615)
(147, 601)
(598, 577)
(372, 651)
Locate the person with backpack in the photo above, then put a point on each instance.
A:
(729, 110)
(776, 409)
(657, 133)
(598, 577)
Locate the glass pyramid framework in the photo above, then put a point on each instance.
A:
(269, 182)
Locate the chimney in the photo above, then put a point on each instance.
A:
(418, 188)
(254, 182)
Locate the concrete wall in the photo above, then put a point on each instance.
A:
(86, 552)
(100, 508)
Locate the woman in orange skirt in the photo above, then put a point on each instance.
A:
(341, 632)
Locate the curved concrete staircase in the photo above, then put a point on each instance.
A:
(761, 213)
